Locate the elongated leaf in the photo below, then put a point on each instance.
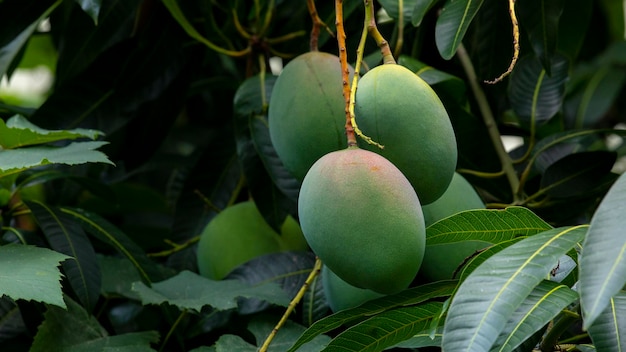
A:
(490, 295)
(67, 237)
(386, 329)
(603, 257)
(19, 132)
(73, 154)
(408, 297)
(452, 24)
(485, 225)
(543, 304)
(536, 96)
(392, 7)
(10, 51)
(608, 332)
(479, 257)
(541, 21)
(31, 273)
(419, 11)
(108, 233)
(91, 7)
(188, 290)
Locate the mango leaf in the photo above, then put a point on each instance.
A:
(261, 326)
(65, 236)
(485, 225)
(118, 275)
(392, 7)
(76, 330)
(228, 342)
(19, 132)
(544, 303)
(407, 297)
(108, 233)
(419, 11)
(10, 51)
(31, 273)
(603, 262)
(608, 331)
(386, 329)
(535, 95)
(452, 24)
(188, 290)
(541, 22)
(91, 7)
(491, 294)
(422, 339)
(577, 173)
(73, 154)
(479, 257)
(287, 269)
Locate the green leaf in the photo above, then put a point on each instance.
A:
(536, 96)
(452, 24)
(544, 303)
(76, 330)
(31, 273)
(262, 326)
(485, 225)
(491, 294)
(386, 329)
(73, 154)
(479, 257)
(19, 132)
(11, 50)
(110, 234)
(65, 236)
(540, 19)
(118, 275)
(188, 290)
(91, 7)
(419, 11)
(228, 342)
(392, 7)
(603, 257)
(608, 331)
(408, 297)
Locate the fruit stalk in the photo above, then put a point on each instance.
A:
(317, 267)
(345, 72)
(372, 29)
(317, 23)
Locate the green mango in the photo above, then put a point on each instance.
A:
(341, 295)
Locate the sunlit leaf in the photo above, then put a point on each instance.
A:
(31, 273)
(408, 297)
(73, 154)
(386, 329)
(19, 132)
(188, 290)
(542, 305)
(608, 331)
(491, 294)
(455, 18)
(603, 257)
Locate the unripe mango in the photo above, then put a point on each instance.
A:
(341, 295)
(307, 111)
(361, 216)
(399, 110)
(239, 234)
(441, 260)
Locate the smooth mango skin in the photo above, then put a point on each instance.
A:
(442, 260)
(361, 216)
(238, 234)
(341, 295)
(307, 111)
(399, 110)
(459, 196)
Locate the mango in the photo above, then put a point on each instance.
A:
(307, 111)
(459, 196)
(341, 295)
(399, 110)
(441, 260)
(361, 216)
(239, 234)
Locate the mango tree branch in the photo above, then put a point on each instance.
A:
(345, 71)
(515, 44)
(490, 122)
(317, 23)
